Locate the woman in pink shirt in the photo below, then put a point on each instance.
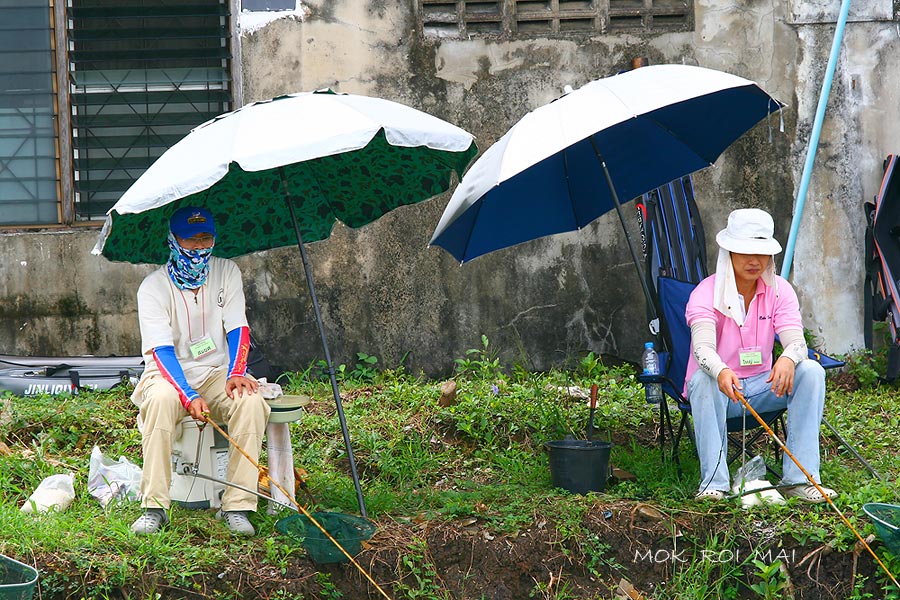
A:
(734, 316)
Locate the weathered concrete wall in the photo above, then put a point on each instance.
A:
(383, 292)
(55, 298)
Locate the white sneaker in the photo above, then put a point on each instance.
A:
(150, 522)
(237, 522)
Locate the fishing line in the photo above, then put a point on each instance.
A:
(784, 449)
(301, 508)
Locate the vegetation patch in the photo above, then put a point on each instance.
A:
(459, 487)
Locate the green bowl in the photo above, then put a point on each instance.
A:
(886, 519)
(17, 580)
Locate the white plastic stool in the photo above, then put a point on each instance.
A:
(204, 450)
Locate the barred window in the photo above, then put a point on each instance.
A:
(93, 91)
(522, 18)
(143, 73)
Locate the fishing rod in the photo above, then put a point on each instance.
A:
(784, 449)
(299, 507)
(193, 470)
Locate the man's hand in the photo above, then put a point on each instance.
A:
(728, 381)
(196, 408)
(782, 376)
(240, 384)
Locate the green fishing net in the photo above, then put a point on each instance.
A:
(348, 530)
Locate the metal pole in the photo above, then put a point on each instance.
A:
(334, 385)
(634, 255)
(853, 450)
(814, 139)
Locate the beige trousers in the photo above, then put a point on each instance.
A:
(161, 410)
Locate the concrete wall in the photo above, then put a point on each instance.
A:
(383, 292)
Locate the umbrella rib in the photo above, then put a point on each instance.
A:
(471, 230)
(312, 175)
(675, 137)
(565, 158)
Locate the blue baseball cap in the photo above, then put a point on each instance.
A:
(189, 221)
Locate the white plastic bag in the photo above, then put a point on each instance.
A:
(56, 491)
(109, 479)
(752, 470)
(269, 391)
(752, 476)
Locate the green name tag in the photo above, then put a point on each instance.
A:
(751, 358)
(202, 348)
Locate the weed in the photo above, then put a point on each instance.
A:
(772, 580)
(591, 366)
(859, 592)
(417, 568)
(892, 562)
(278, 554)
(554, 589)
(327, 589)
(599, 554)
(481, 363)
(365, 370)
(703, 576)
(862, 366)
(340, 371)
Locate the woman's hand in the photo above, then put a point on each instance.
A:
(782, 376)
(728, 381)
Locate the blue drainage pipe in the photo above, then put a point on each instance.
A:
(814, 139)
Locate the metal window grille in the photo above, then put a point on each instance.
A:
(143, 73)
(28, 175)
(523, 18)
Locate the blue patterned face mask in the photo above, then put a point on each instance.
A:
(187, 268)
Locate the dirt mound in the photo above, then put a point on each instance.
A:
(629, 545)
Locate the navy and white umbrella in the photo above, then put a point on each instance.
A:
(570, 161)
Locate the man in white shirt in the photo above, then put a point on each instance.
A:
(195, 341)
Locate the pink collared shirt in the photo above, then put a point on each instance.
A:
(767, 315)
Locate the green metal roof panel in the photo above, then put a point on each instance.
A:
(140, 140)
(158, 119)
(188, 55)
(147, 97)
(144, 12)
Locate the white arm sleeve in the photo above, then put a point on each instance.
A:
(703, 345)
(794, 345)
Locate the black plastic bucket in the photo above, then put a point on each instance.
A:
(579, 466)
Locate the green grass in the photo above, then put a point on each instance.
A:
(481, 457)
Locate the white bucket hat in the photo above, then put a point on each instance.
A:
(749, 231)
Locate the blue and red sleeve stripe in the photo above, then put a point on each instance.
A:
(238, 351)
(172, 372)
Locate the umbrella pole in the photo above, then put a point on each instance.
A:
(634, 255)
(334, 385)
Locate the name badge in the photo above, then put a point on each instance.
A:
(202, 348)
(751, 357)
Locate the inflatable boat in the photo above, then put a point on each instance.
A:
(53, 375)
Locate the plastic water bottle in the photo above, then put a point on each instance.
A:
(650, 361)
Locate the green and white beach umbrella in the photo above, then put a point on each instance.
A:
(282, 172)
